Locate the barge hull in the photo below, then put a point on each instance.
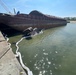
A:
(35, 19)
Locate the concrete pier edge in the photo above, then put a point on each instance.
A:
(9, 65)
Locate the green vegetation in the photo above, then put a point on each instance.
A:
(70, 18)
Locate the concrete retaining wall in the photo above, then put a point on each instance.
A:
(9, 65)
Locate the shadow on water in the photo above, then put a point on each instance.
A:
(13, 32)
(6, 30)
(10, 32)
(29, 38)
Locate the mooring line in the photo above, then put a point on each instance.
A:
(18, 54)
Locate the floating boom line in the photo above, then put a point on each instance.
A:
(18, 54)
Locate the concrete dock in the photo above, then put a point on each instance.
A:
(9, 65)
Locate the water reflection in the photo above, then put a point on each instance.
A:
(50, 53)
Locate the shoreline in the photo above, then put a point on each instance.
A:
(72, 21)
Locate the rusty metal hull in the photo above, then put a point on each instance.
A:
(23, 21)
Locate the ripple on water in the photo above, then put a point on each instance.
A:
(52, 52)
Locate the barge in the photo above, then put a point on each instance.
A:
(34, 19)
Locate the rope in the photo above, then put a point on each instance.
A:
(18, 54)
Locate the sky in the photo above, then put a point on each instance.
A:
(60, 8)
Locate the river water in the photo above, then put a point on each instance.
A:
(50, 53)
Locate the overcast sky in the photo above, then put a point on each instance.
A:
(61, 8)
